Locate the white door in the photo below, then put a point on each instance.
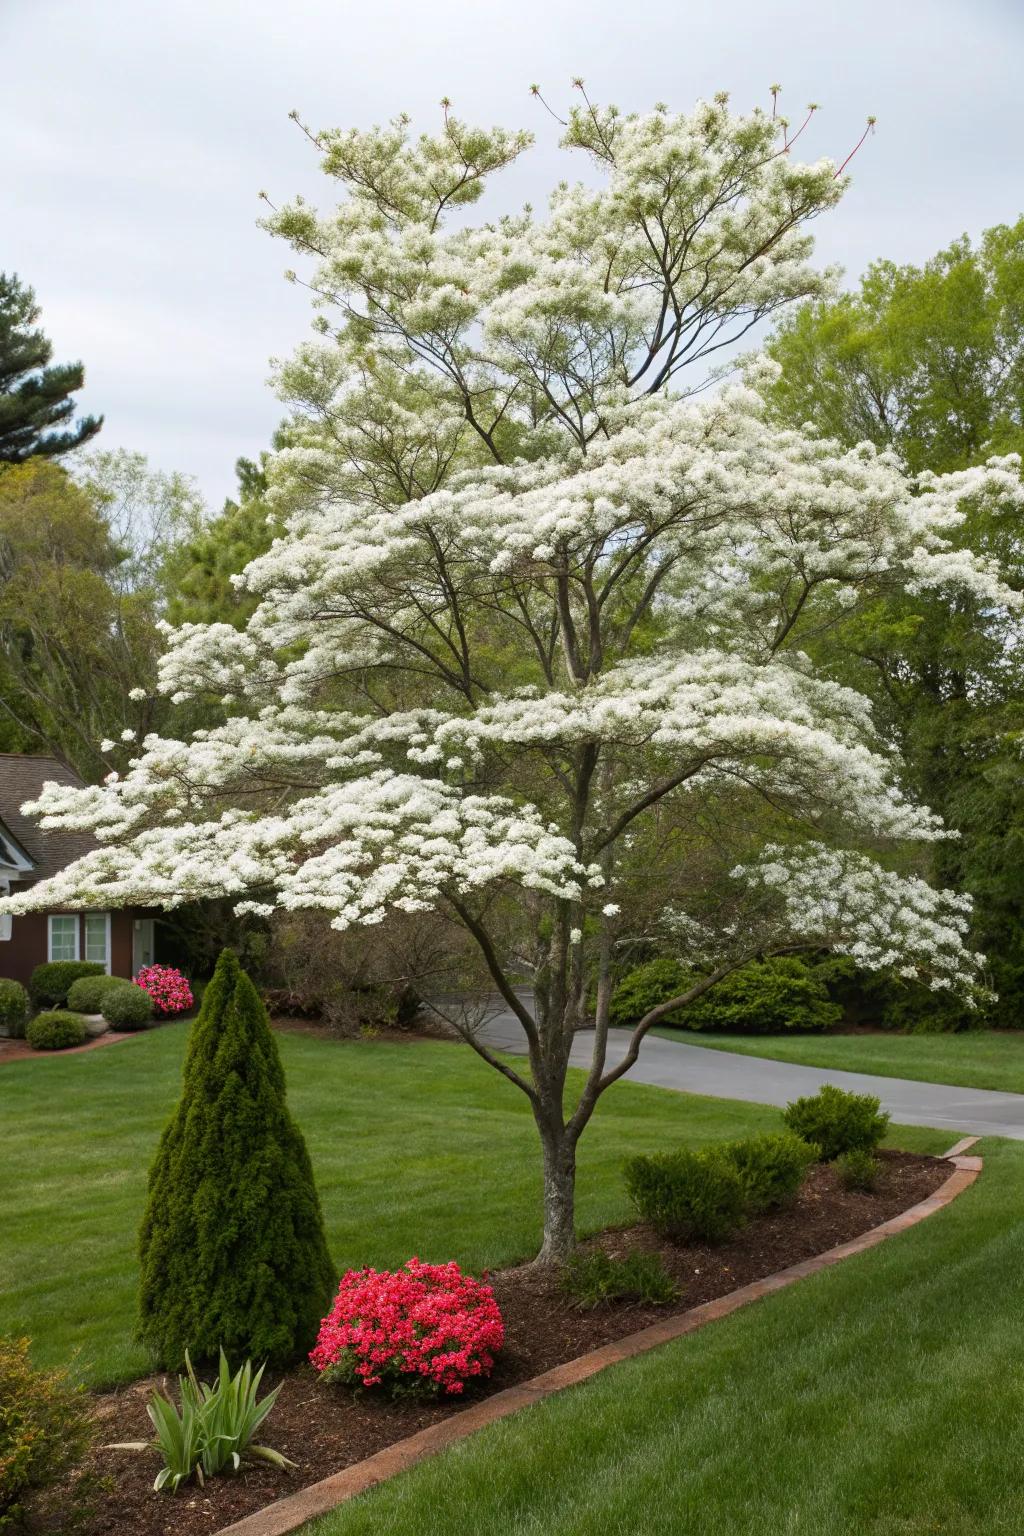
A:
(142, 943)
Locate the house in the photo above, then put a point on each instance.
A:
(122, 941)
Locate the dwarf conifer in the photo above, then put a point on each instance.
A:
(232, 1243)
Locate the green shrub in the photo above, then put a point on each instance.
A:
(594, 1279)
(891, 1002)
(127, 1006)
(686, 1194)
(45, 1430)
(13, 1006)
(232, 1247)
(837, 1121)
(644, 988)
(213, 1430)
(87, 993)
(857, 1169)
(771, 1168)
(766, 997)
(56, 1031)
(50, 983)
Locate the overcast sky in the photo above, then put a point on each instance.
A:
(137, 135)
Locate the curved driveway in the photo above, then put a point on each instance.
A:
(720, 1074)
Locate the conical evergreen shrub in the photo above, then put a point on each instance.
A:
(232, 1243)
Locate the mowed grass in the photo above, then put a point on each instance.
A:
(977, 1058)
(418, 1148)
(883, 1397)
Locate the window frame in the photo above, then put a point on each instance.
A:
(53, 917)
(106, 937)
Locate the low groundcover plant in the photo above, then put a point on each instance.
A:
(425, 1326)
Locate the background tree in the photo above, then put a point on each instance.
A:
(232, 1246)
(533, 647)
(35, 397)
(929, 362)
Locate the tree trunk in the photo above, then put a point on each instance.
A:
(559, 1196)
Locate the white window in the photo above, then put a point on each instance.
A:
(63, 938)
(97, 938)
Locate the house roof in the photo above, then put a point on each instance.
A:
(22, 778)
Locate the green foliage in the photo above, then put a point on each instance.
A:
(35, 397)
(686, 1195)
(595, 1279)
(127, 1006)
(232, 1246)
(13, 1006)
(929, 361)
(45, 1430)
(858, 1169)
(87, 993)
(766, 997)
(644, 988)
(198, 574)
(56, 1031)
(214, 1429)
(837, 1121)
(891, 1002)
(51, 982)
(771, 1168)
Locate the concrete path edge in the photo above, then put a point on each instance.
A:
(309, 1503)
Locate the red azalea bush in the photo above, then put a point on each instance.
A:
(425, 1326)
(168, 988)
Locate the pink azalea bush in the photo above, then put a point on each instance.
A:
(168, 988)
(424, 1326)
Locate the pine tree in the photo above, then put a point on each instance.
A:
(232, 1243)
(33, 396)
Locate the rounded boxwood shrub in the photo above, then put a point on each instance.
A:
(687, 1194)
(13, 1006)
(56, 1031)
(232, 1248)
(127, 1006)
(50, 983)
(87, 993)
(772, 1168)
(837, 1121)
(45, 1430)
(858, 1169)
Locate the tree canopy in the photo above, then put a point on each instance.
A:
(36, 405)
(929, 362)
(536, 644)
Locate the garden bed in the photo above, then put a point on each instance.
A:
(324, 1429)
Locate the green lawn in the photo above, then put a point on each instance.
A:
(418, 1148)
(881, 1398)
(978, 1058)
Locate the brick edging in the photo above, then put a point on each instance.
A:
(319, 1498)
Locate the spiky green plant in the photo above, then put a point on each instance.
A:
(232, 1245)
(213, 1429)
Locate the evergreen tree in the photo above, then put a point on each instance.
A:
(35, 397)
(232, 1244)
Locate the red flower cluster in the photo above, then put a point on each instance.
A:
(167, 987)
(426, 1325)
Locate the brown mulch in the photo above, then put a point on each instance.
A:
(20, 1050)
(324, 1429)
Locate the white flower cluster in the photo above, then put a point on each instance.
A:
(846, 902)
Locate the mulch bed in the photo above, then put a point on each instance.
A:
(324, 1429)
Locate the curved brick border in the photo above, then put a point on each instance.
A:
(289, 1513)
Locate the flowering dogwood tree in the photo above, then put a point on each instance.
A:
(534, 644)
